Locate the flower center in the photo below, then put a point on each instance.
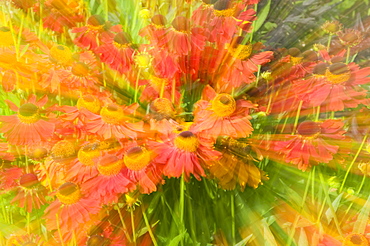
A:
(143, 60)
(68, 193)
(60, 54)
(137, 158)
(39, 153)
(187, 141)
(90, 103)
(112, 114)
(88, 153)
(224, 8)
(163, 106)
(62, 150)
(28, 180)
(181, 24)
(96, 240)
(159, 21)
(355, 239)
(295, 56)
(157, 83)
(95, 22)
(320, 69)
(241, 51)
(28, 113)
(309, 129)
(80, 69)
(223, 105)
(331, 26)
(122, 40)
(110, 165)
(338, 73)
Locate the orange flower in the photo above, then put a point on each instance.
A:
(72, 208)
(30, 193)
(222, 116)
(28, 126)
(185, 154)
(111, 181)
(112, 122)
(312, 144)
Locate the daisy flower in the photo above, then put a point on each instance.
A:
(30, 194)
(112, 122)
(185, 154)
(141, 169)
(28, 126)
(71, 208)
(314, 143)
(117, 52)
(222, 115)
(111, 181)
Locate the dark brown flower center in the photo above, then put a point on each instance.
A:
(159, 20)
(181, 24)
(28, 180)
(294, 52)
(110, 165)
(225, 100)
(339, 68)
(309, 56)
(28, 109)
(4, 29)
(134, 151)
(89, 98)
(309, 128)
(209, 1)
(356, 239)
(39, 153)
(96, 240)
(96, 20)
(122, 38)
(68, 188)
(186, 134)
(112, 107)
(222, 5)
(320, 69)
(337, 59)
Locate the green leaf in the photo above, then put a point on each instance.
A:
(329, 214)
(7, 229)
(262, 16)
(361, 222)
(176, 240)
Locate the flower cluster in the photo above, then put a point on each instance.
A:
(94, 117)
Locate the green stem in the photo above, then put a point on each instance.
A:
(59, 231)
(348, 52)
(123, 224)
(232, 203)
(329, 41)
(297, 117)
(181, 206)
(352, 162)
(149, 228)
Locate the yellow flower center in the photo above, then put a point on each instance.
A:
(355, 239)
(90, 103)
(63, 149)
(224, 8)
(6, 38)
(137, 158)
(187, 141)
(296, 60)
(96, 240)
(95, 22)
(112, 114)
(39, 153)
(88, 153)
(163, 106)
(241, 51)
(143, 60)
(110, 165)
(80, 69)
(338, 73)
(223, 105)
(69, 193)
(28, 113)
(61, 54)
